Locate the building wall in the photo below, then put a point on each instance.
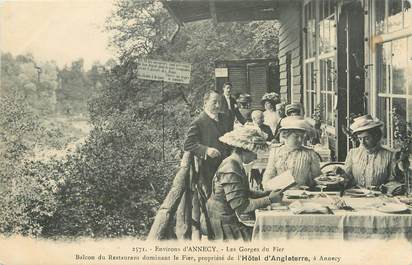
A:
(290, 45)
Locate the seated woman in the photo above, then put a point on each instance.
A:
(231, 196)
(270, 115)
(302, 162)
(370, 164)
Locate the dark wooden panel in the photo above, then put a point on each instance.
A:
(238, 78)
(258, 83)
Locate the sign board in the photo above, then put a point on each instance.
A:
(157, 70)
(221, 72)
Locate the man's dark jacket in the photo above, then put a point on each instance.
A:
(232, 113)
(266, 129)
(204, 132)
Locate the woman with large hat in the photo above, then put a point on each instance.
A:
(231, 196)
(302, 162)
(270, 116)
(370, 164)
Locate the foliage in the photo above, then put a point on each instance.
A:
(111, 185)
(27, 188)
(318, 113)
(31, 200)
(402, 135)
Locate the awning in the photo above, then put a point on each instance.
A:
(225, 10)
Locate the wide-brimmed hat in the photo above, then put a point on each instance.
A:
(295, 123)
(245, 137)
(365, 122)
(293, 107)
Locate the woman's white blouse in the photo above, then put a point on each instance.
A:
(303, 163)
(369, 168)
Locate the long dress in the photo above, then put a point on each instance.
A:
(231, 197)
(303, 163)
(369, 167)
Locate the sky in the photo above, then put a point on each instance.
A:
(59, 30)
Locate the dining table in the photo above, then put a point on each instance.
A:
(366, 218)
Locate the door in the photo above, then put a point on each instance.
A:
(351, 74)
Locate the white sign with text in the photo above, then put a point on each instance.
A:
(157, 70)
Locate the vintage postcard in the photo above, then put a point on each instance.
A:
(205, 131)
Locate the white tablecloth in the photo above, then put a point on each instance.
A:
(364, 222)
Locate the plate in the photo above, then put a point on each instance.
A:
(296, 194)
(328, 180)
(392, 207)
(357, 192)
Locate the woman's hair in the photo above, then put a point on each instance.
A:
(238, 150)
(374, 132)
(272, 103)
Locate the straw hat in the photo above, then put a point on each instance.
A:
(246, 137)
(364, 123)
(293, 107)
(295, 123)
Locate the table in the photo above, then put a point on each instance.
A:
(364, 222)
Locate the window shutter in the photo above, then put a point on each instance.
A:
(257, 75)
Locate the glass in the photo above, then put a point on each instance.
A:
(321, 187)
(399, 66)
(313, 103)
(322, 31)
(322, 74)
(407, 14)
(379, 17)
(310, 35)
(323, 103)
(382, 115)
(409, 61)
(395, 16)
(327, 30)
(306, 33)
(329, 108)
(398, 106)
(383, 60)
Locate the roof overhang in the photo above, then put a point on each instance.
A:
(224, 10)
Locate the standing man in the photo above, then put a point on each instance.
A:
(229, 107)
(203, 139)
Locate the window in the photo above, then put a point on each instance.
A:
(393, 60)
(320, 58)
(310, 95)
(392, 15)
(394, 83)
(327, 86)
